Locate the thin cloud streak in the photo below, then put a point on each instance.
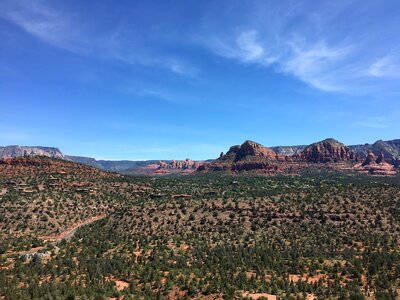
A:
(60, 30)
(308, 62)
(303, 43)
(385, 67)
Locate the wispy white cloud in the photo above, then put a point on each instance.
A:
(44, 23)
(385, 67)
(179, 67)
(308, 42)
(71, 32)
(310, 62)
(249, 46)
(246, 47)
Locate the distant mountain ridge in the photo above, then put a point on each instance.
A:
(18, 151)
(112, 165)
(240, 153)
(390, 148)
(330, 154)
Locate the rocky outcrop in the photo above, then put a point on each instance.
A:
(329, 154)
(177, 167)
(381, 158)
(390, 149)
(329, 150)
(288, 150)
(187, 164)
(370, 159)
(378, 166)
(20, 151)
(249, 156)
(396, 162)
(248, 149)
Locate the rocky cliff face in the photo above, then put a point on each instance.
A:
(256, 159)
(390, 149)
(249, 156)
(329, 150)
(375, 166)
(167, 168)
(248, 149)
(187, 164)
(19, 151)
(288, 150)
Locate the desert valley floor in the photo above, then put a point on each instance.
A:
(70, 231)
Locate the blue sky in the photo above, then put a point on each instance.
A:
(162, 79)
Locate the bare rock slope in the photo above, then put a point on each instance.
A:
(18, 151)
(328, 150)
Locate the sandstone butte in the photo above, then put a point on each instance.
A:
(329, 153)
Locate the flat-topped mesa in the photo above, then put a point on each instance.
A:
(248, 149)
(21, 151)
(328, 150)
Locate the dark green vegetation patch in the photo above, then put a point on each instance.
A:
(324, 235)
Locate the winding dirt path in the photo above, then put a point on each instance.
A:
(67, 235)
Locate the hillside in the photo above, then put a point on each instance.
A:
(69, 230)
(42, 197)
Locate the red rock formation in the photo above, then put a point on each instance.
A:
(328, 154)
(371, 166)
(370, 159)
(169, 167)
(329, 150)
(187, 164)
(250, 148)
(381, 158)
(249, 156)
